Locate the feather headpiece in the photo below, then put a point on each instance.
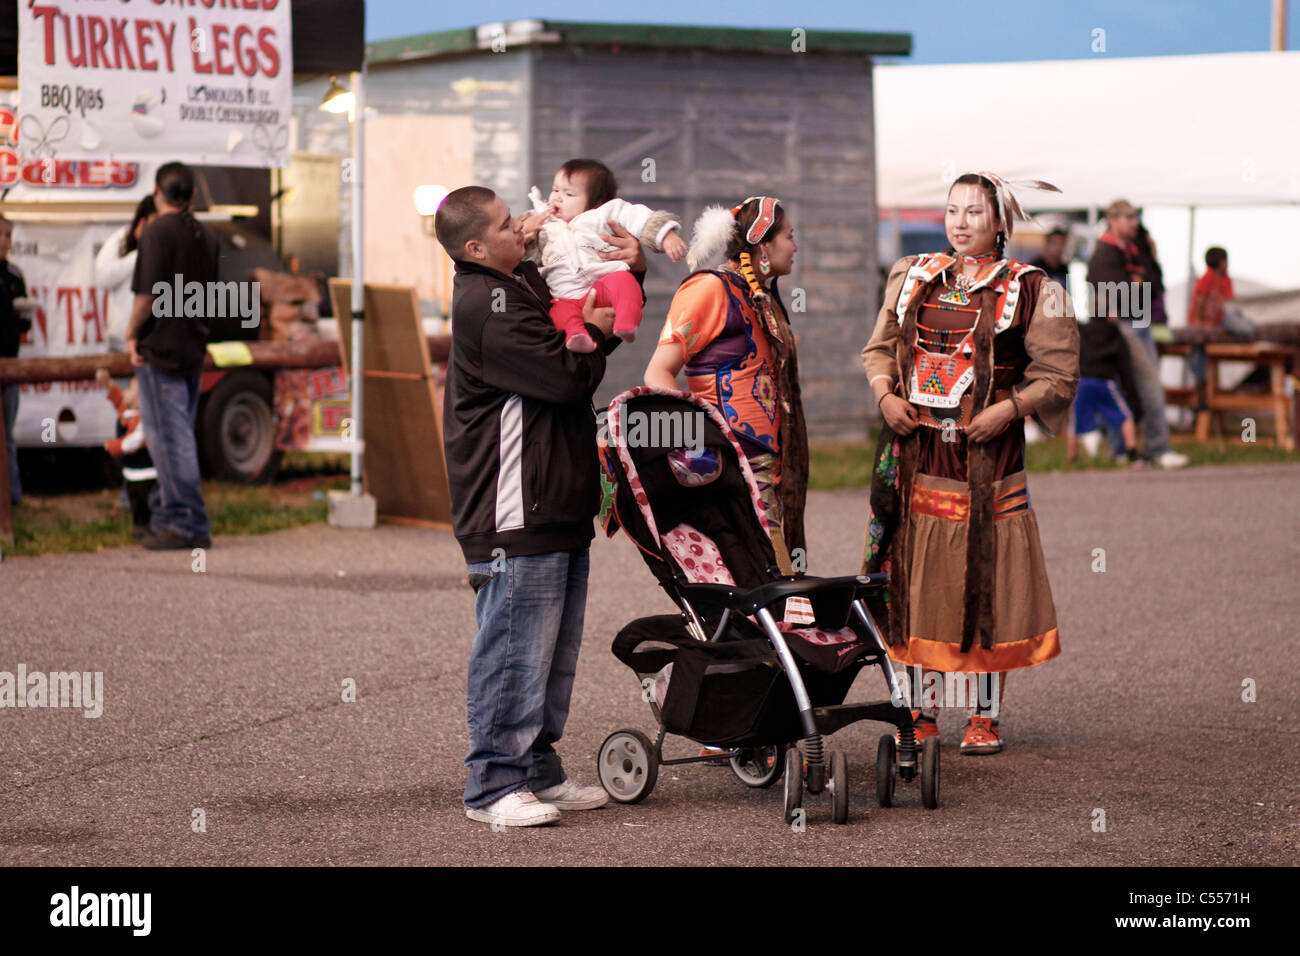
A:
(714, 230)
(717, 227)
(1010, 209)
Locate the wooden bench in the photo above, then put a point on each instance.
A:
(1275, 400)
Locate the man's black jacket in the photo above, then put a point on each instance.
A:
(518, 425)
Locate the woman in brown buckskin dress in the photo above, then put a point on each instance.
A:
(967, 345)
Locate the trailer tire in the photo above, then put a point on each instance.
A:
(237, 428)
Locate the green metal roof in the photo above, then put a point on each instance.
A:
(428, 45)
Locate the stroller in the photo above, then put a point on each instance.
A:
(727, 672)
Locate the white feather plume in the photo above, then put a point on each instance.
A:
(713, 232)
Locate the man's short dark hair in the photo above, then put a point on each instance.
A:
(1058, 231)
(463, 216)
(1215, 256)
(176, 182)
(599, 179)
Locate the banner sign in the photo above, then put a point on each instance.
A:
(201, 81)
(58, 265)
(63, 180)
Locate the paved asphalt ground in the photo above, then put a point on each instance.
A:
(223, 692)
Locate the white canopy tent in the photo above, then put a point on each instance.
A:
(1208, 146)
(1217, 130)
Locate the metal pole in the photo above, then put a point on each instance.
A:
(358, 277)
(1191, 253)
(1279, 25)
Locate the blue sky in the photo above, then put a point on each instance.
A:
(943, 31)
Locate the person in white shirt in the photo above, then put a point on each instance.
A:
(114, 267)
(583, 204)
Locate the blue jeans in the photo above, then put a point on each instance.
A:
(11, 415)
(1151, 391)
(521, 671)
(168, 406)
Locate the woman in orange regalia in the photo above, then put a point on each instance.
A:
(728, 329)
(967, 345)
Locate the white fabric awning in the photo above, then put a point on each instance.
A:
(1221, 129)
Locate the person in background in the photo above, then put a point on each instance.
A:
(115, 267)
(1146, 247)
(138, 471)
(1205, 311)
(1054, 260)
(1104, 364)
(13, 326)
(1116, 261)
(167, 347)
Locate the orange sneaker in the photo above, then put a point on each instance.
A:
(981, 737)
(923, 727)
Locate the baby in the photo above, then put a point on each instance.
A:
(583, 200)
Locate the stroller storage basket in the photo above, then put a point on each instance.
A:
(717, 691)
(730, 693)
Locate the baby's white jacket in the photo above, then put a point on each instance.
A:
(569, 252)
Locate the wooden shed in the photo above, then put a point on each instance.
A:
(685, 116)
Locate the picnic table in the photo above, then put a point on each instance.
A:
(1278, 359)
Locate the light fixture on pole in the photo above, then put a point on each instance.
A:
(354, 509)
(338, 98)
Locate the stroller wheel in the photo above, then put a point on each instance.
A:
(759, 767)
(930, 773)
(839, 787)
(627, 766)
(793, 783)
(886, 773)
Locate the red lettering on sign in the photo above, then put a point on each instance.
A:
(93, 317)
(220, 45)
(98, 41)
(80, 58)
(245, 51)
(266, 40)
(47, 14)
(121, 45)
(168, 31)
(64, 296)
(143, 40)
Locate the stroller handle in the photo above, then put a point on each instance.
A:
(749, 601)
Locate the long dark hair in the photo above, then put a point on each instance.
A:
(143, 210)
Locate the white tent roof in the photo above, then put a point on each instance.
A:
(1222, 129)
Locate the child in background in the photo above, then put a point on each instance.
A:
(1104, 364)
(129, 445)
(567, 228)
(1205, 311)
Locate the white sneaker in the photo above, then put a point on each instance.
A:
(570, 796)
(518, 809)
(1172, 459)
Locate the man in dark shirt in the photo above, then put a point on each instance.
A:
(167, 341)
(1116, 262)
(12, 327)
